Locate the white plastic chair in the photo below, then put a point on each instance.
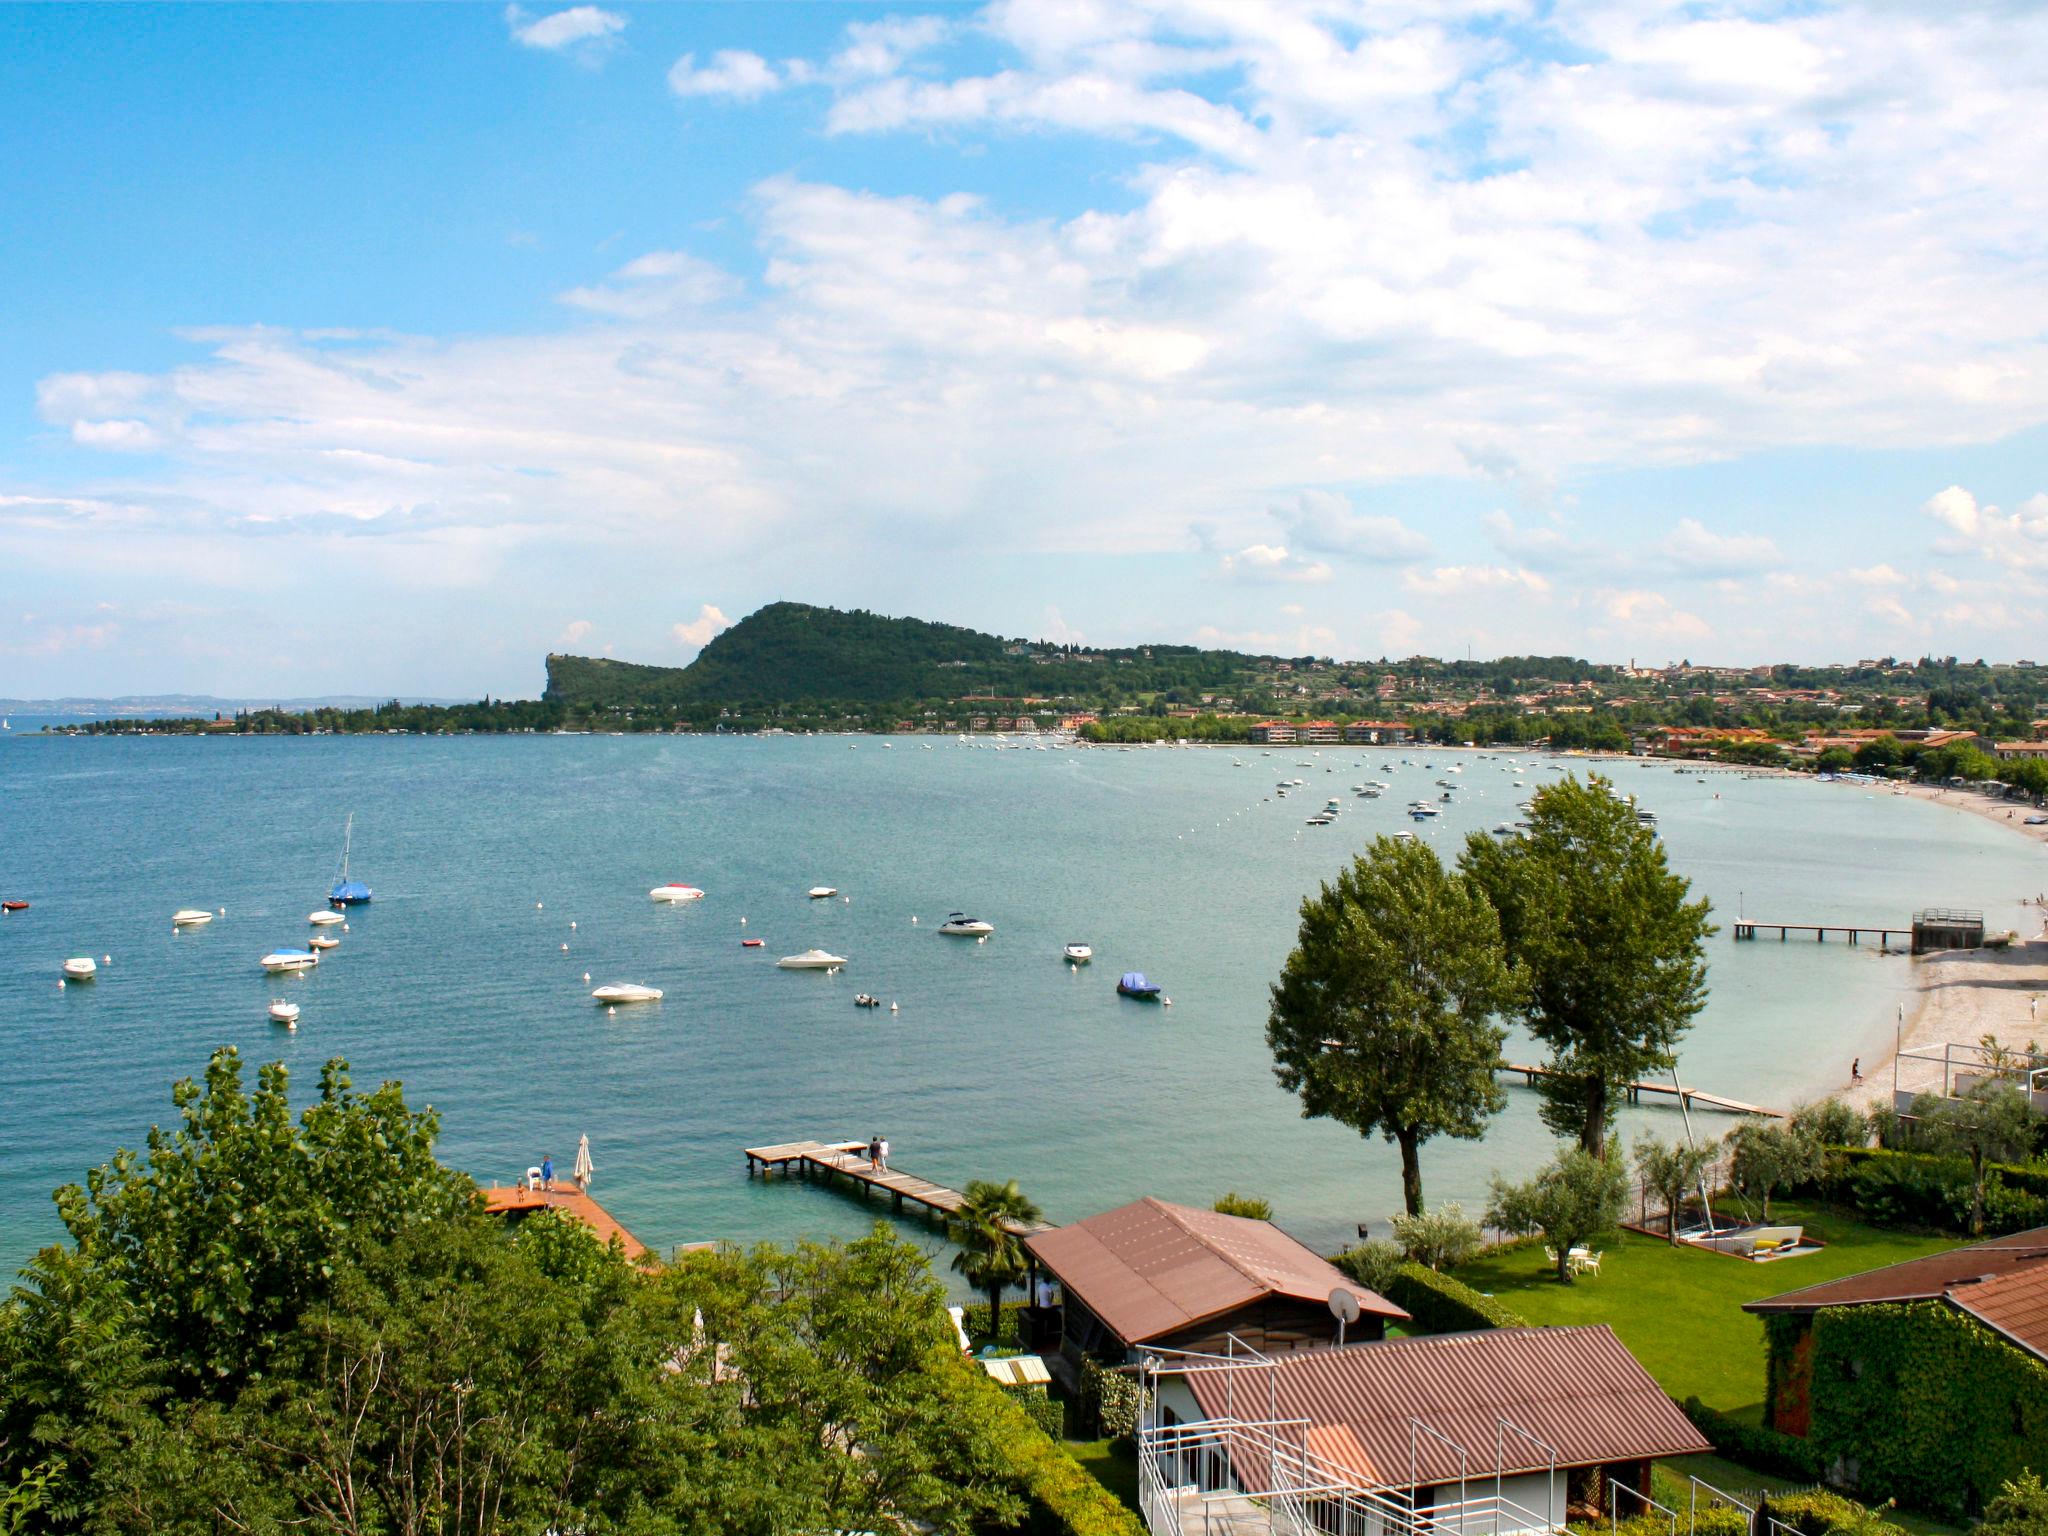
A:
(533, 1178)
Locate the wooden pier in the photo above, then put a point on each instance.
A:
(1855, 933)
(516, 1201)
(849, 1160)
(1695, 1098)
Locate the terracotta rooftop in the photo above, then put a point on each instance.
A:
(2003, 1283)
(1150, 1268)
(519, 1201)
(1578, 1390)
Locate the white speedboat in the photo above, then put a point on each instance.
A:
(960, 926)
(675, 890)
(821, 892)
(1079, 954)
(282, 1012)
(812, 960)
(626, 992)
(325, 919)
(321, 941)
(281, 960)
(190, 917)
(80, 969)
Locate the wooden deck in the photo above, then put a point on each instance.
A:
(1855, 933)
(519, 1201)
(1695, 1098)
(848, 1160)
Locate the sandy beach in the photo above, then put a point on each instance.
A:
(1963, 995)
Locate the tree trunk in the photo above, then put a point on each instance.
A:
(1564, 1261)
(1977, 1194)
(995, 1313)
(1411, 1170)
(1767, 1205)
(1672, 1197)
(1593, 1134)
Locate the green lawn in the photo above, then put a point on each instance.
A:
(1116, 1470)
(1680, 1309)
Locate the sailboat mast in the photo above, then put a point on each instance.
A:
(348, 832)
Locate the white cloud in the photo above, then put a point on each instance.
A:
(732, 72)
(2019, 537)
(1694, 550)
(1879, 575)
(126, 436)
(1469, 580)
(1641, 615)
(575, 631)
(580, 25)
(697, 633)
(1323, 521)
(658, 284)
(1273, 562)
(877, 48)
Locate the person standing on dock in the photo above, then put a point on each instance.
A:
(547, 1172)
(874, 1154)
(882, 1155)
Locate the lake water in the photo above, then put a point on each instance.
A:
(1002, 1061)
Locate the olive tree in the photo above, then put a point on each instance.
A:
(1383, 1016)
(1576, 1199)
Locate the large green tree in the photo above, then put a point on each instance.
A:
(1608, 950)
(1383, 1016)
(1575, 1200)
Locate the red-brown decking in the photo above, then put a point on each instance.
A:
(519, 1201)
(1150, 1269)
(1578, 1390)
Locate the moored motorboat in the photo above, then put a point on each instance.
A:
(322, 942)
(80, 969)
(961, 926)
(626, 992)
(190, 917)
(325, 919)
(279, 960)
(13, 906)
(751, 943)
(812, 960)
(820, 892)
(1079, 954)
(862, 1000)
(1134, 984)
(675, 890)
(282, 1012)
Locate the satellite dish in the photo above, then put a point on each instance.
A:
(1344, 1305)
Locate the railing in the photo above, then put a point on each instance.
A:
(1615, 1489)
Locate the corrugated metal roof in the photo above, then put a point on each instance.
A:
(1577, 1389)
(1923, 1279)
(2015, 1303)
(1151, 1268)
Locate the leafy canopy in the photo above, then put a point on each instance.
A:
(1576, 1200)
(1383, 1016)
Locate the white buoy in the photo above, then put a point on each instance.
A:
(536, 906)
(847, 899)
(586, 975)
(1166, 1002)
(913, 922)
(106, 959)
(982, 940)
(572, 927)
(609, 1012)
(565, 949)
(344, 927)
(743, 922)
(893, 1007)
(223, 911)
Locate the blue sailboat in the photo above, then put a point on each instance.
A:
(1134, 984)
(347, 892)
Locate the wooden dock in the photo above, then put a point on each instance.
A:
(849, 1160)
(516, 1201)
(1855, 933)
(1693, 1097)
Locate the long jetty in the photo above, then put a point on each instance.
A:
(848, 1160)
(1855, 933)
(1691, 1097)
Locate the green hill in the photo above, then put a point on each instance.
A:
(792, 653)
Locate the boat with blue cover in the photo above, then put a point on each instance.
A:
(347, 892)
(1134, 984)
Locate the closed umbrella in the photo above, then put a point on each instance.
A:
(584, 1167)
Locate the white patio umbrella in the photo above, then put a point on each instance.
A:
(584, 1167)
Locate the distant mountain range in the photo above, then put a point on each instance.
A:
(796, 654)
(148, 705)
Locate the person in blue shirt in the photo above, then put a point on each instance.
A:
(547, 1172)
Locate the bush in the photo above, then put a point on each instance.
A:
(975, 1319)
(1373, 1264)
(1439, 1304)
(1766, 1450)
(1821, 1513)
(1889, 1187)
(1047, 1411)
(1833, 1123)
(1234, 1204)
(1062, 1499)
(2021, 1509)
(1109, 1402)
(1441, 1239)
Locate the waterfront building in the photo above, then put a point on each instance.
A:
(1270, 732)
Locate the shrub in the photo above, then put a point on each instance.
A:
(1109, 1402)
(1047, 1411)
(975, 1319)
(1062, 1499)
(1373, 1264)
(1766, 1450)
(1234, 1204)
(1832, 1123)
(1439, 1304)
(2021, 1509)
(1821, 1513)
(1441, 1239)
(1889, 1187)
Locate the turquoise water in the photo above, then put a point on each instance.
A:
(1002, 1061)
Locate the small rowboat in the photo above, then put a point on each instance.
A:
(675, 890)
(80, 969)
(13, 906)
(325, 919)
(752, 943)
(321, 941)
(190, 917)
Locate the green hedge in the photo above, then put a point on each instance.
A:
(1765, 1450)
(975, 1319)
(1062, 1498)
(1922, 1404)
(1110, 1403)
(1439, 1304)
(1892, 1188)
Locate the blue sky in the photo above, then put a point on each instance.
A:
(360, 348)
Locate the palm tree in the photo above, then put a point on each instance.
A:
(990, 1257)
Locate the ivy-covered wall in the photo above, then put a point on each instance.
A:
(1921, 1403)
